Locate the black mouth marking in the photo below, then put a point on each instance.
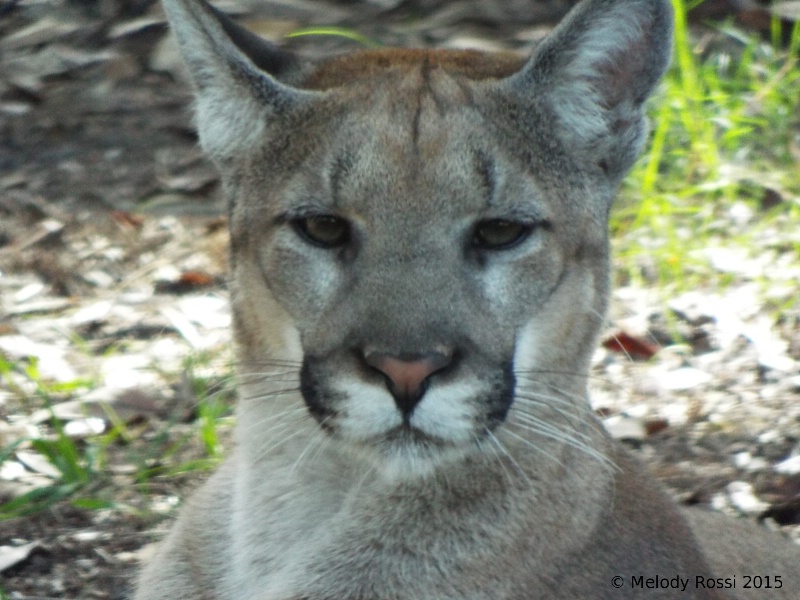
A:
(502, 397)
(317, 402)
(321, 402)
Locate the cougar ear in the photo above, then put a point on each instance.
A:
(242, 81)
(594, 72)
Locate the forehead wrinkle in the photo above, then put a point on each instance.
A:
(411, 124)
(424, 82)
(340, 167)
(486, 168)
(410, 97)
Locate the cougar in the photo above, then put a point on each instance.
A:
(419, 271)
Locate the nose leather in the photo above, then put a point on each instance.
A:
(407, 375)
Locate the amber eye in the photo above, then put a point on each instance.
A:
(499, 234)
(326, 231)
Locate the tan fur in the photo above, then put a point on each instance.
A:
(413, 421)
(368, 65)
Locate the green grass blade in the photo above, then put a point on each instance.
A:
(338, 32)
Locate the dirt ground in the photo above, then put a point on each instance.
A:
(105, 198)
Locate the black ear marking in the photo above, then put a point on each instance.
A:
(263, 54)
(244, 85)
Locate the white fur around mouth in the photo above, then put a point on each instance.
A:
(440, 429)
(443, 417)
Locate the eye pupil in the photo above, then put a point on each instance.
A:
(499, 234)
(326, 231)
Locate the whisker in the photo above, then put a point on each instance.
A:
(280, 390)
(373, 466)
(271, 432)
(560, 437)
(568, 400)
(292, 410)
(533, 420)
(526, 404)
(326, 440)
(270, 378)
(316, 441)
(530, 444)
(277, 362)
(495, 452)
(267, 375)
(536, 425)
(270, 426)
(529, 373)
(499, 446)
(265, 395)
(581, 397)
(265, 452)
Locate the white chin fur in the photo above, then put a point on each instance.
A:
(409, 462)
(443, 415)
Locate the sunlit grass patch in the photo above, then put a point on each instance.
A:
(725, 131)
(80, 472)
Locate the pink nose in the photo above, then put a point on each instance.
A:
(407, 374)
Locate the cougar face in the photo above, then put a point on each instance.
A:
(419, 249)
(419, 270)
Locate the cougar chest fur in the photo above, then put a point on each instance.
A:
(419, 271)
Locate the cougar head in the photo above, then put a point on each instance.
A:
(419, 241)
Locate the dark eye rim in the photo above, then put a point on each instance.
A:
(301, 227)
(526, 228)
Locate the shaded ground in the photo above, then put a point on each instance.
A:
(110, 234)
